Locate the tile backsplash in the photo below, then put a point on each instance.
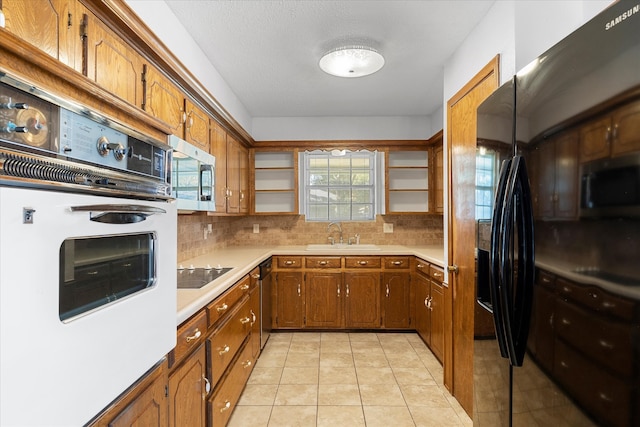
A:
(294, 230)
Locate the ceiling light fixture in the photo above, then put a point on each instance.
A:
(351, 61)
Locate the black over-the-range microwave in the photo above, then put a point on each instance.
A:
(611, 187)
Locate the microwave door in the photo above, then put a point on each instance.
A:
(206, 183)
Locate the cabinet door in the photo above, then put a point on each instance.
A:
(111, 62)
(324, 300)
(163, 100)
(547, 178)
(423, 313)
(396, 297)
(544, 303)
(289, 300)
(233, 175)
(254, 303)
(197, 126)
(362, 300)
(438, 155)
(595, 138)
(566, 183)
(626, 129)
(187, 392)
(219, 150)
(244, 179)
(437, 320)
(149, 408)
(53, 26)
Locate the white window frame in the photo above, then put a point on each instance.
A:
(376, 186)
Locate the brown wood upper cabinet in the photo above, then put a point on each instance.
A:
(232, 172)
(111, 62)
(612, 134)
(57, 32)
(196, 127)
(558, 164)
(163, 99)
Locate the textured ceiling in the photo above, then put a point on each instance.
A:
(268, 52)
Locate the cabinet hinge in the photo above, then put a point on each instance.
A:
(69, 20)
(166, 390)
(85, 43)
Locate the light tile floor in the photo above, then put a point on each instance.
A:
(347, 379)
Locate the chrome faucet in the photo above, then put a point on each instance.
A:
(337, 224)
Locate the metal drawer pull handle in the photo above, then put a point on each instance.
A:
(426, 302)
(564, 364)
(420, 266)
(546, 280)
(195, 336)
(224, 350)
(246, 364)
(397, 263)
(245, 320)
(363, 262)
(222, 308)
(338, 290)
(607, 304)
(244, 287)
(436, 274)
(207, 387)
(226, 406)
(604, 397)
(566, 321)
(255, 276)
(387, 285)
(605, 344)
(347, 289)
(593, 295)
(299, 294)
(322, 262)
(289, 262)
(253, 316)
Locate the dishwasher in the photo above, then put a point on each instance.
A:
(265, 282)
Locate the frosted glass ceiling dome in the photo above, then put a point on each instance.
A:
(351, 61)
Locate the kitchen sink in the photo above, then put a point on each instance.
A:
(342, 247)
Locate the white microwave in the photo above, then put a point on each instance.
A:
(192, 177)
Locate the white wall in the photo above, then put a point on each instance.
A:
(337, 128)
(162, 21)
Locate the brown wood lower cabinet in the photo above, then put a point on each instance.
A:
(188, 390)
(362, 299)
(429, 306)
(397, 300)
(289, 300)
(324, 296)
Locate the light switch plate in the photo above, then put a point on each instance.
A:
(256, 228)
(387, 227)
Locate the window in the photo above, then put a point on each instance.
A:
(339, 185)
(485, 179)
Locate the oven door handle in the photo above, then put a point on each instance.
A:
(118, 214)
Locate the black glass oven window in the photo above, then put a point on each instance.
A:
(95, 271)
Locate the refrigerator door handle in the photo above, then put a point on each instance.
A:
(516, 295)
(495, 258)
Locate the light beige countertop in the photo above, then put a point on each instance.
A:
(243, 259)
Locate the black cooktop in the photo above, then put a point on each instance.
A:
(195, 278)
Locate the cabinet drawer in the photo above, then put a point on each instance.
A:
(228, 393)
(254, 276)
(225, 303)
(597, 299)
(547, 280)
(422, 266)
(362, 262)
(606, 397)
(396, 262)
(289, 262)
(606, 342)
(323, 262)
(436, 273)
(190, 334)
(225, 342)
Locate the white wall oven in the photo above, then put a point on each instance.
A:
(87, 258)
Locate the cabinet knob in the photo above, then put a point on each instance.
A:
(195, 335)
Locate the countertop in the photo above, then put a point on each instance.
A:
(243, 259)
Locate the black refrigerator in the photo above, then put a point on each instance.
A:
(558, 234)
